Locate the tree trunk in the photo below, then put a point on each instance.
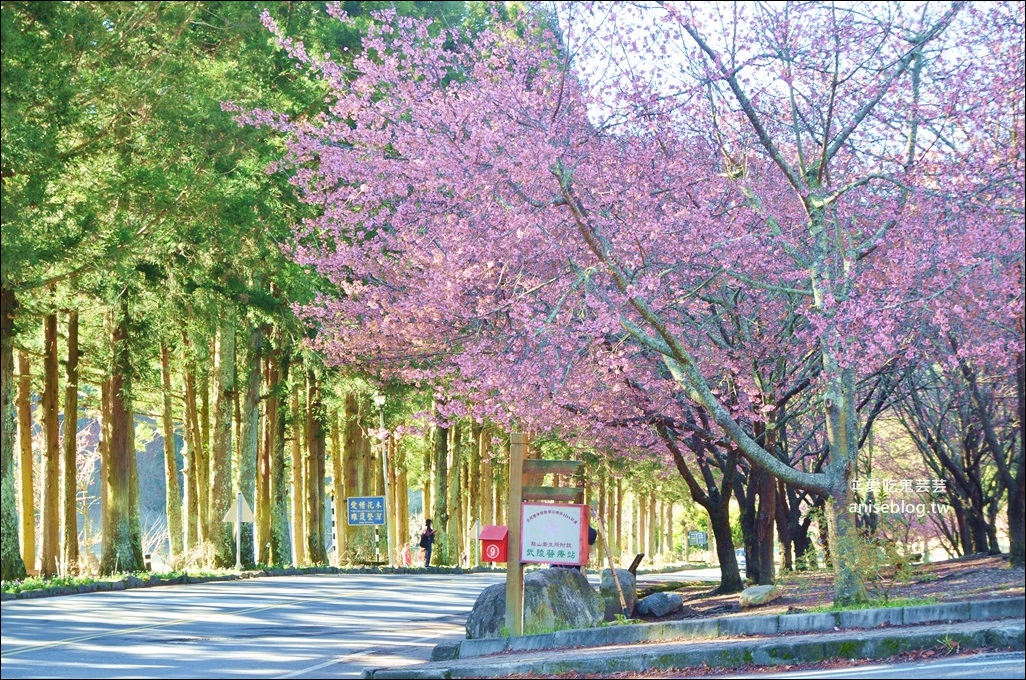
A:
(315, 485)
(366, 457)
(250, 437)
(805, 557)
(1017, 490)
(475, 490)
(26, 464)
(487, 483)
(353, 437)
(192, 505)
(204, 458)
(262, 510)
(765, 518)
(666, 549)
(428, 479)
(402, 491)
(841, 436)
(173, 494)
(338, 487)
(719, 524)
(653, 543)
(500, 473)
(280, 529)
(451, 535)
(747, 498)
(12, 566)
(596, 551)
(784, 527)
(392, 516)
(617, 546)
(440, 494)
(299, 532)
(50, 406)
(637, 520)
(122, 546)
(69, 466)
(220, 539)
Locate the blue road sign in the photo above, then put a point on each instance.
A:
(365, 510)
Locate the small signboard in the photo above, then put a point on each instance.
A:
(365, 510)
(554, 533)
(697, 539)
(233, 515)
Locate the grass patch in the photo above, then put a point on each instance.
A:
(34, 583)
(39, 583)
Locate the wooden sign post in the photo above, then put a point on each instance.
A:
(518, 443)
(530, 472)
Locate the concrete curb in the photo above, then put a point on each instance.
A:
(667, 655)
(732, 626)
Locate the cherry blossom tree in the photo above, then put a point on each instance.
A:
(553, 212)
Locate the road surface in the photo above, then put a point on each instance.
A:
(318, 625)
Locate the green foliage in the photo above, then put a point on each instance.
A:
(878, 564)
(37, 583)
(620, 620)
(949, 645)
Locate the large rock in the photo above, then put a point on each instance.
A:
(610, 599)
(757, 595)
(554, 599)
(660, 604)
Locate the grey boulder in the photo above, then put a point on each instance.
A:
(660, 604)
(554, 599)
(610, 598)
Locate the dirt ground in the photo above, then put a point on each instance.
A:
(976, 577)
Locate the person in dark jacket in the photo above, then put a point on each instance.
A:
(427, 539)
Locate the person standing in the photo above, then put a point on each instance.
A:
(427, 539)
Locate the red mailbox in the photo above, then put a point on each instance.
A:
(494, 543)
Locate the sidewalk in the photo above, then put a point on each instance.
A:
(730, 641)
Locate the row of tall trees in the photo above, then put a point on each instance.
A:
(139, 219)
(142, 279)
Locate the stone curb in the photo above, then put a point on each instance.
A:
(810, 648)
(983, 610)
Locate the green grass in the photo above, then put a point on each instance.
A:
(39, 583)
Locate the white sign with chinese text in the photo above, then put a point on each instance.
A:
(365, 510)
(554, 533)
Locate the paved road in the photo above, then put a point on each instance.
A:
(995, 665)
(319, 625)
